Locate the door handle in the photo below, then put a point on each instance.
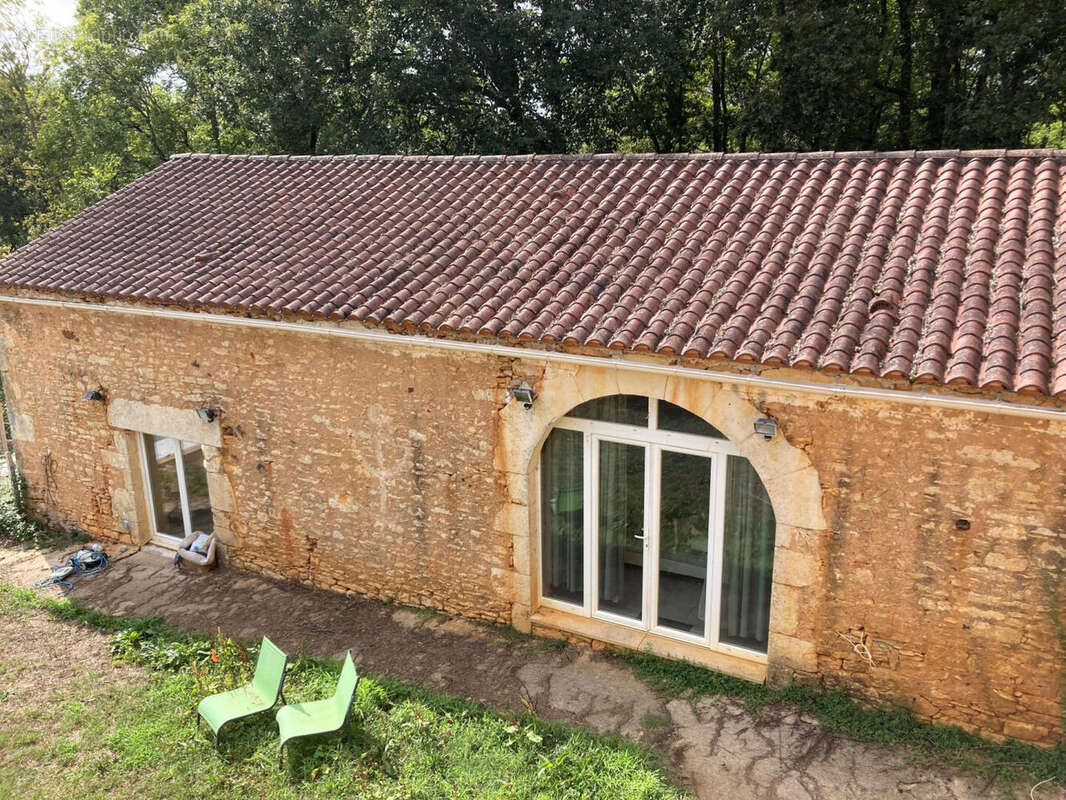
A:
(642, 538)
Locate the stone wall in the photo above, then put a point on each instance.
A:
(351, 467)
(944, 554)
(933, 537)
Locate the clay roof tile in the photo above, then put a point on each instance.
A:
(941, 266)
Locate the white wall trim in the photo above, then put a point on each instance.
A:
(614, 362)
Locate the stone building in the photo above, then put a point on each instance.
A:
(792, 416)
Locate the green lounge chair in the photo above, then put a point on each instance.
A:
(258, 696)
(320, 716)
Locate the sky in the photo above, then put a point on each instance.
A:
(57, 12)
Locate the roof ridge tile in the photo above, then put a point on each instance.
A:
(839, 155)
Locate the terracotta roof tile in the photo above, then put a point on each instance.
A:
(941, 267)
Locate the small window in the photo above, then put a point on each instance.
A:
(675, 418)
(627, 409)
(164, 485)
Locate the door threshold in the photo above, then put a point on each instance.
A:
(750, 666)
(156, 550)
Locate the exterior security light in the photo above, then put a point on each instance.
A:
(207, 414)
(94, 395)
(766, 427)
(524, 394)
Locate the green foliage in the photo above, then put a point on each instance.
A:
(153, 644)
(686, 680)
(652, 721)
(17, 526)
(410, 739)
(85, 112)
(836, 712)
(407, 741)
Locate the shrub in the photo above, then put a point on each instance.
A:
(17, 526)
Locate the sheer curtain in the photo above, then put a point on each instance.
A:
(621, 528)
(613, 502)
(562, 516)
(748, 558)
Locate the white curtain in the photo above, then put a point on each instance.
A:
(621, 526)
(614, 504)
(562, 515)
(748, 557)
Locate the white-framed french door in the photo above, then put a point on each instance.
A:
(640, 573)
(688, 492)
(176, 486)
(619, 529)
(650, 519)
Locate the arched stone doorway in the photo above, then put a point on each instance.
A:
(785, 472)
(650, 519)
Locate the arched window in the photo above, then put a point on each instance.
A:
(651, 518)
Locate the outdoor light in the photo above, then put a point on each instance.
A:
(207, 414)
(94, 395)
(766, 427)
(524, 394)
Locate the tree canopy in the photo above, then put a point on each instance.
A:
(137, 80)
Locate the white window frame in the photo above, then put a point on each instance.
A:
(654, 441)
(166, 539)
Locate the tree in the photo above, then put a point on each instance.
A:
(139, 80)
(21, 74)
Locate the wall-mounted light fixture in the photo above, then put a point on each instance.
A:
(766, 427)
(524, 394)
(208, 414)
(95, 395)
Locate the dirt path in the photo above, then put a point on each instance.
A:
(717, 747)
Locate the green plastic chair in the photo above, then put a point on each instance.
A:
(320, 716)
(258, 696)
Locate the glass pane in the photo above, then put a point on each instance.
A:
(163, 485)
(562, 514)
(684, 522)
(629, 409)
(675, 418)
(621, 529)
(196, 488)
(748, 558)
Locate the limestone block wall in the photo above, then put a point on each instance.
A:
(943, 553)
(343, 465)
(935, 537)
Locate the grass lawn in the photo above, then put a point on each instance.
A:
(73, 724)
